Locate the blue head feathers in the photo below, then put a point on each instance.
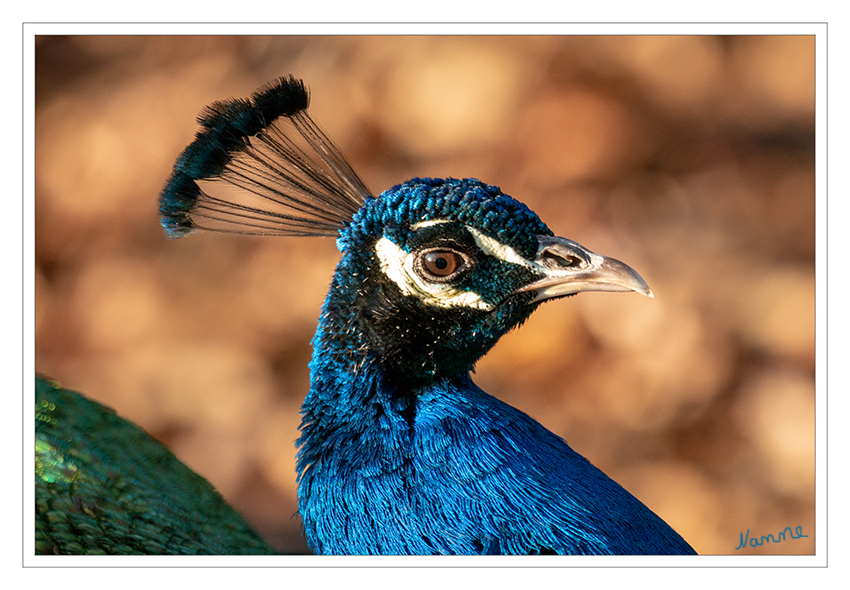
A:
(466, 201)
(399, 451)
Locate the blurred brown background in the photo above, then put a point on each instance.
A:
(689, 158)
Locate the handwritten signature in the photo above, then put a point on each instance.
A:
(754, 542)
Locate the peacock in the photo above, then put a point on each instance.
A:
(399, 452)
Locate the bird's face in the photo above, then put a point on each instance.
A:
(449, 266)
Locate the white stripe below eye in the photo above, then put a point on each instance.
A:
(398, 266)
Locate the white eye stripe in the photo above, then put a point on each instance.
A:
(485, 243)
(428, 223)
(504, 252)
(398, 266)
(498, 250)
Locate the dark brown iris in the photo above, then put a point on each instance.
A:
(441, 263)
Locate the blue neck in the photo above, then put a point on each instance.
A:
(351, 399)
(440, 466)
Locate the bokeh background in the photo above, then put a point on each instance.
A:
(690, 158)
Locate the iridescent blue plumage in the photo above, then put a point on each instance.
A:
(400, 452)
(467, 200)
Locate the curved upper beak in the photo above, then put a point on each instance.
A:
(567, 268)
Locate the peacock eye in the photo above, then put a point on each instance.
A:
(437, 265)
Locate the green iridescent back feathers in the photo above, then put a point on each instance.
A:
(104, 486)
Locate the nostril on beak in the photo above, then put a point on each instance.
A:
(550, 257)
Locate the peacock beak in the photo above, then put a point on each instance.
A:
(567, 268)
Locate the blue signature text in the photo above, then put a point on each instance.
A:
(797, 533)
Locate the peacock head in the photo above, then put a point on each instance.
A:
(433, 272)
